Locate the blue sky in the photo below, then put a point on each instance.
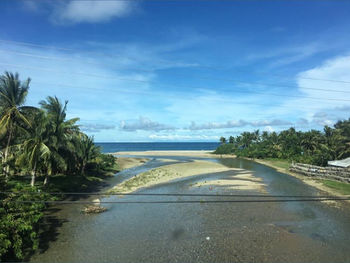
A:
(183, 70)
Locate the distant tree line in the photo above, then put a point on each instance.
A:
(313, 147)
(37, 145)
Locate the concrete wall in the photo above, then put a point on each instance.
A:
(335, 173)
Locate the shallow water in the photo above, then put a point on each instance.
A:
(226, 232)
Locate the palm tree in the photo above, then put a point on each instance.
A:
(86, 150)
(311, 140)
(13, 93)
(61, 134)
(35, 150)
(57, 114)
(222, 140)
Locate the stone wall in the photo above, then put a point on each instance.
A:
(335, 173)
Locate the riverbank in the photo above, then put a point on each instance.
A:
(321, 184)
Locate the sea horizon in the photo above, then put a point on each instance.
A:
(156, 146)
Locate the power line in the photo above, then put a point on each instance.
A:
(183, 75)
(176, 97)
(171, 194)
(167, 95)
(183, 201)
(157, 60)
(146, 81)
(151, 0)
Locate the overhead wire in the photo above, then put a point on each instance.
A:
(166, 194)
(148, 82)
(156, 60)
(183, 75)
(181, 201)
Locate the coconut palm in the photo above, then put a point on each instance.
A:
(222, 140)
(56, 111)
(13, 93)
(342, 137)
(61, 134)
(86, 151)
(35, 150)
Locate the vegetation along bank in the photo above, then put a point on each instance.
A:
(280, 150)
(41, 152)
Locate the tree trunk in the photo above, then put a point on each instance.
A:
(32, 182)
(46, 180)
(83, 168)
(6, 167)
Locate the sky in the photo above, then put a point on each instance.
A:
(139, 71)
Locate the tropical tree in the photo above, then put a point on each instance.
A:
(342, 137)
(222, 140)
(61, 133)
(35, 150)
(13, 93)
(311, 140)
(231, 139)
(86, 151)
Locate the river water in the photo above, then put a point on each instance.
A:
(200, 232)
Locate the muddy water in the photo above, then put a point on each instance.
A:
(226, 232)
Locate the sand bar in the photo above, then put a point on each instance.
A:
(170, 172)
(237, 179)
(129, 162)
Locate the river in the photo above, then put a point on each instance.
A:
(200, 232)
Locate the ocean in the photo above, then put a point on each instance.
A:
(108, 147)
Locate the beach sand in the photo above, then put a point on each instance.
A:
(170, 172)
(129, 162)
(245, 181)
(239, 181)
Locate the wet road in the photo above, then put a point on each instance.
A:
(226, 232)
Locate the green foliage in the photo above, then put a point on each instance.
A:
(19, 221)
(41, 143)
(280, 163)
(313, 147)
(343, 188)
(225, 149)
(223, 140)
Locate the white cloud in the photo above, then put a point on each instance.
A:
(182, 137)
(92, 127)
(319, 95)
(269, 129)
(72, 12)
(236, 124)
(144, 124)
(289, 54)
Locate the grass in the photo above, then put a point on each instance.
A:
(142, 179)
(343, 188)
(280, 163)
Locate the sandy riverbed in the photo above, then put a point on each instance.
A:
(238, 179)
(130, 162)
(243, 180)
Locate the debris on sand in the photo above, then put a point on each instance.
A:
(93, 209)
